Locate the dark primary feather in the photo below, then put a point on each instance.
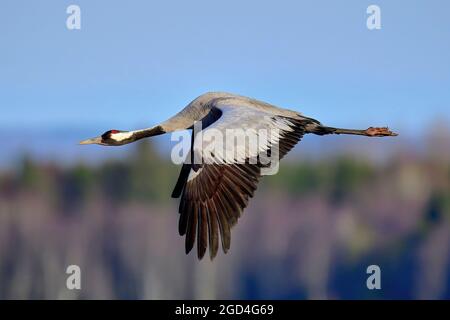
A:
(182, 178)
(212, 202)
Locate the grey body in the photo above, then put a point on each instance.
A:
(214, 193)
(202, 105)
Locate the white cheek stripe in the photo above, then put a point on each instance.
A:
(121, 136)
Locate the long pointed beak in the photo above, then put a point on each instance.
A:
(97, 140)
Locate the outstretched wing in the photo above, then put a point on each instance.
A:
(212, 200)
(215, 192)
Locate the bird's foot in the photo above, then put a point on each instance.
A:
(380, 132)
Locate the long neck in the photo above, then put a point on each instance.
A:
(145, 133)
(183, 120)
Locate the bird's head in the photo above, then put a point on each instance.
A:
(111, 138)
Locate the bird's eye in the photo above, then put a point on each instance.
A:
(107, 134)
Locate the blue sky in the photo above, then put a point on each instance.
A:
(134, 63)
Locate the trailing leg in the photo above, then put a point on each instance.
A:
(319, 129)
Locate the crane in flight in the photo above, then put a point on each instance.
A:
(218, 178)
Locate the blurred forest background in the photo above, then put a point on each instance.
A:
(310, 231)
(338, 204)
